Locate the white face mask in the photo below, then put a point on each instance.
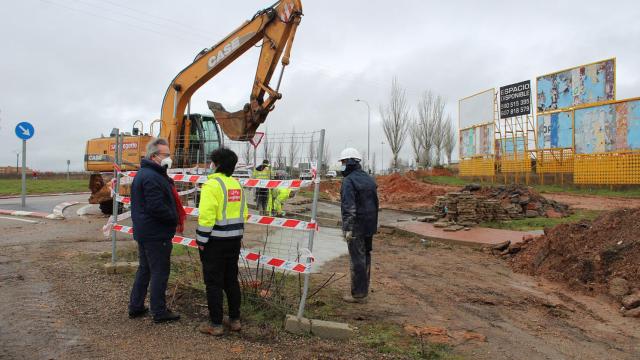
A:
(166, 162)
(343, 168)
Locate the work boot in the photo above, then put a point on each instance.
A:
(166, 316)
(354, 300)
(138, 313)
(211, 329)
(233, 324)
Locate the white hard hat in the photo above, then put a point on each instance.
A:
(350, 153)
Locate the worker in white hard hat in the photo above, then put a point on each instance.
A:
(359, 207)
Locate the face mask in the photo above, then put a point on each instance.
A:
(343, 168)
(212, 168)
(166, 162)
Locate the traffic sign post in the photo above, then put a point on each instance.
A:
(24, 131)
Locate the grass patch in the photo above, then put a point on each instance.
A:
(541, 222)
(43, 186)
(393, 340)
(631, 192)
(625, 192)
(446, 180)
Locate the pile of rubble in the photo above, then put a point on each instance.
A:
(475, 204)
(599, 256)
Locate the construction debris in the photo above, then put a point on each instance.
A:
(475, 204)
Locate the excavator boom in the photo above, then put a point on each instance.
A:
(275, 26)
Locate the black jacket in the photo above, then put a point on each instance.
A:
(359, 202)
(153, 207)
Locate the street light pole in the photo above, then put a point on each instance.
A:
(382, 157)
(368, 133)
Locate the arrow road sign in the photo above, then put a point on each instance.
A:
(24, 130)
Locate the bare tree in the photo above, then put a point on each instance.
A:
(449, 138)
(438, 126)
(395, 120)
(247, 154)
(326, 156)
(426, 125)
(294, 147)
(267, 147)
(280, 159)
(415, 135)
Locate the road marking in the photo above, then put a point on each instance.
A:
(25, 220)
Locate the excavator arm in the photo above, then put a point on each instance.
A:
(275, 26)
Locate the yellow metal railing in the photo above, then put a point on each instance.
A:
(554, 161)
(479, 166)
(614, 168)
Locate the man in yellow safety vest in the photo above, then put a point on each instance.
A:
(222, 213)
(262, 172)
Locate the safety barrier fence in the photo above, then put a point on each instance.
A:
(479, 166)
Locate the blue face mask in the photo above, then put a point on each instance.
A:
(343, 168)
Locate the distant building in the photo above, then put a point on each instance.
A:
(7, 170)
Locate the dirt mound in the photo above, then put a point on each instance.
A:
(397, 191)
(587, 255)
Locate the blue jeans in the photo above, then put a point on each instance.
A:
(360, 252)
(154, 266)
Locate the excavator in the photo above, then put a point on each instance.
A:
(192, 136)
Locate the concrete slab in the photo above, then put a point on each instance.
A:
(121, 267)
(297, 326)
(476, 236)
(323, 329)
(331, 330)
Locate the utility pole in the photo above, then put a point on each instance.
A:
(68, 162)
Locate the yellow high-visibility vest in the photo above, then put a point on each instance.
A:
(223, 209)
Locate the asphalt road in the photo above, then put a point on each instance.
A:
(40, 203)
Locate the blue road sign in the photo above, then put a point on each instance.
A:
(24, 130)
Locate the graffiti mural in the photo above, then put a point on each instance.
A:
(606, 128)
(577, 86)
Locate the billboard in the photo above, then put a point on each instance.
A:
(476, 109)
(555, 130)
(509, 145)
(606, 128)
(476, 141)
(581, 85)
(515, 99)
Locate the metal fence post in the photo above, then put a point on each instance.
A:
(314, 209)
(116, 190)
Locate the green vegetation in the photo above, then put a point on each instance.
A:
(631, 192)
(542, 222)
(43, 186)
(617, 191)
(392, 339)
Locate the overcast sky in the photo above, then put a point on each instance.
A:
(77, 68)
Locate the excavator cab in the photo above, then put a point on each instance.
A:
(199, 136)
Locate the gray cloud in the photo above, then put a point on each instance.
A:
(77, 68)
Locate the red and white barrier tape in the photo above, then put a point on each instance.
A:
(291, 224)
(251, 183)
(247, 255)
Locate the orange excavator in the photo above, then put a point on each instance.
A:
(191, 136)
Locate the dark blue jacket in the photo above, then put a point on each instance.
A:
(153, 207)
(359, 202)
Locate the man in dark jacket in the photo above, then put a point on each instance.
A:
(359, 206)
(155, 217)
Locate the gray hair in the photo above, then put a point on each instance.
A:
(152, 146)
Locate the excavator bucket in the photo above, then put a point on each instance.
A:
(240, 125)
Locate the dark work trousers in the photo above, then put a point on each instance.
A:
(220, 270)
(360, 253)
(262, 197)
(154, 265)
